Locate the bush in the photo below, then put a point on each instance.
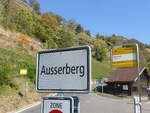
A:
(148, 67)
(5, 72)
(32, 72)
(40, 31)
(46, 27)
(51, 44)
(83, 39)
(24, 21)
(66, 39)
(31, 67)
(11, 63)
(1, 13)
(99, 50)
(6, 20)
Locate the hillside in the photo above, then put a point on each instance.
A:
(147, 49)
(100, 69)
(24, 31)
(19, 42)
(12, 85)
(19, 51)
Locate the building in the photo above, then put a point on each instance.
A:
(123, 81)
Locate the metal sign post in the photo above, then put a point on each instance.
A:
(137, 99)
(76, 104)
(137, 104)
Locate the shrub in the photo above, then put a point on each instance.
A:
(5, 72)
(148, 67)
(1, 13)
(46, 27)
(83, 39)
(32, 72)
(30, 66)
(99, 50)
(51, 44)
(66, 39)
(24, 21)
(40, 31)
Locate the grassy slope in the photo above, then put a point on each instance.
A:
(13, 83)
(100, 69)
(10, 64)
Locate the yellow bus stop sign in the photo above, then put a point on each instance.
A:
(124, 57)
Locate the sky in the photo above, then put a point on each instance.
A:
(128, 18)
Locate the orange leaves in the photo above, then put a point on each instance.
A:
(24, 39)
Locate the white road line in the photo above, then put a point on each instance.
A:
(27, 107)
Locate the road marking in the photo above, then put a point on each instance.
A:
(25, 108)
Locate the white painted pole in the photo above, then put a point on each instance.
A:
(137, 98)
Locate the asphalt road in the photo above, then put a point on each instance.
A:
(92, 103)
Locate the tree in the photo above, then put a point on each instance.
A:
(148, 67)
(147, 45)
(47, 27)
(99, 50)
(24, 21)
(5, 72)
(72, 25)
(83, 39)
(66, 39)
(79, 29)
(35, 5)
(40, 32)
(88, 32)
(98, 36)
(51, 44)
(133, 40)
(113, 35)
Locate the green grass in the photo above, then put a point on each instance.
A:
(11, 63)
(100, 69)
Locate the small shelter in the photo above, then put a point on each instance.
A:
(123, 81)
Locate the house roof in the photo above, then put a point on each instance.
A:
(126, 75)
